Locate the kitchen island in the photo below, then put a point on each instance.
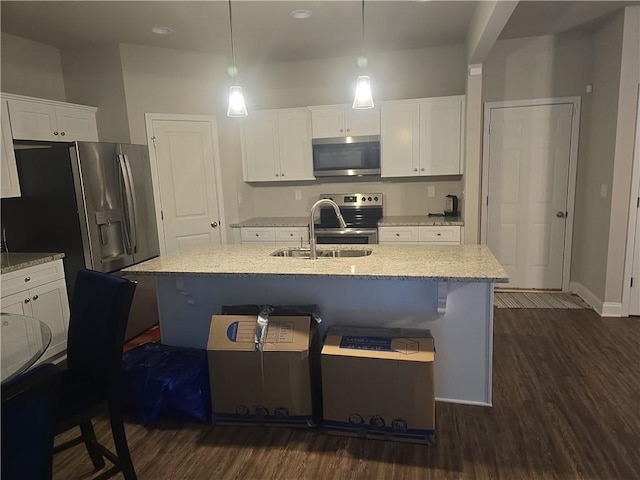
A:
(446, 289)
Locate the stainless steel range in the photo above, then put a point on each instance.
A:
(361, 212)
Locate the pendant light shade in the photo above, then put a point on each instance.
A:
(236, 107)
(363, 98)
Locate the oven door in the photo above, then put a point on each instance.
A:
(353, 236)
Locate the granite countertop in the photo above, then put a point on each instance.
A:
(386, 221)
(421, 220)
(17, 261)
(459, 263)
(273, 222)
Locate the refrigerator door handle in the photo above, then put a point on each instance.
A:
(132, 208)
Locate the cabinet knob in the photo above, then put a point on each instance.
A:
(282, 174)
(62, 134)
(55, 133)
(422, 169)
(257, 234)
(291, 234)
(27, 279)
(277, 174)
(35, 297)
(341, 130)
(438, 234)
(415, 169)
(27, 300)
(348, 129)
(397, 234)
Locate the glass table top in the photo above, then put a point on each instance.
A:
(24, 341)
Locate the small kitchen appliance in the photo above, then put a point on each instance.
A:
(451, 206)
(361, 212)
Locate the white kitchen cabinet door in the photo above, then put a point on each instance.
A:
(33, 121)
(261, 147)
(362, 122)
(19, 303)
(49, 304)
(400, 139)
(294, 129)
(441, 133)
(75, 124)
(328, 122)
(8, 170)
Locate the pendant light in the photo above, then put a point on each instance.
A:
(363, 98)
(237, 107)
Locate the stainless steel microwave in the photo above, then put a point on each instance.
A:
(346, 156)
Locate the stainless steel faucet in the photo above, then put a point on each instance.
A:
(312, 228)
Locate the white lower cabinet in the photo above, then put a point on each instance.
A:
(432, 235)
(38, 292)
(275, 235)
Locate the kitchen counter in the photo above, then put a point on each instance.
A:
(17, 261)
(458, 263)
(386, 221)
(447, 289)
(273, 222)
(419, 220)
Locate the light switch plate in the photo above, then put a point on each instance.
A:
(298, 194)
(431, 191)
(603, 190)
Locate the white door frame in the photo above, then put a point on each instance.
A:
(148, 120)
(633, 218)
(573, 169)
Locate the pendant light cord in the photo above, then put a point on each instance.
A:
(363, 28)
(233, 53)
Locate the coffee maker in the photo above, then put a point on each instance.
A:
(451, 206)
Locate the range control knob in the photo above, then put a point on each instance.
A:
(364, 199)
(375, 198)
(369, 198)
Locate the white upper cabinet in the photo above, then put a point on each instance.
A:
(8, 171)
(343, 121)
(441, 134)
(422, 137)
(277, 145)
(400, 142)
(38, 119)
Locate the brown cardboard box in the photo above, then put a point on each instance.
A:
(272, 387)
(378, 383)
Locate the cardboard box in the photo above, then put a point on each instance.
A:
(269, 387)
(378, 383)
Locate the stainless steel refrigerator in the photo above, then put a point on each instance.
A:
(92, 201)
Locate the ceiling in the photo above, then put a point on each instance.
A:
(265, 32)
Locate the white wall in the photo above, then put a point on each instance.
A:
(93, 76)
(31, 68)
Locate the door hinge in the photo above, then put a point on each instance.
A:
(161, 215)
(631, 284)
(490, 127)
(487, 200)
(155, 144)
(638, 202)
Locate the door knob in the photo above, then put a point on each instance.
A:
(560, 214)
(214, 224)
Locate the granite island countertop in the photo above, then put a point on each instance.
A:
(458, 263)
(273, 222)
(17, 261)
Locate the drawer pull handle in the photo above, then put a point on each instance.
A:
(397, 234)
(35, 297)
(438, 234)
(257, 234)
(27, 300)
(27, 279)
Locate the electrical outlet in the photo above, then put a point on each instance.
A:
(431, 191)
(298, 194)
(603, 190)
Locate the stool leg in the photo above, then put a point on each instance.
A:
(120, 441)
(89, 438)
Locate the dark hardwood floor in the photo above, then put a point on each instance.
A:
(566, 405)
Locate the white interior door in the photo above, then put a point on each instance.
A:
(529, 157)
(188, 181)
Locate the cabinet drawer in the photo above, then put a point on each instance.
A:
(292, 235)
(398, 234)
(30, 277)
(258, 234)
(440, 234)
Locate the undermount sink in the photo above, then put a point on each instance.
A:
(334, 253)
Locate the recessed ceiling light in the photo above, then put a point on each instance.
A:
(300, 14)
(162, 30)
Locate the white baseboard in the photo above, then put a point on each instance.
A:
(604, 309)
